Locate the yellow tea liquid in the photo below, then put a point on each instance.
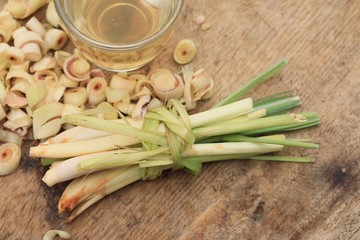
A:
(118, 22)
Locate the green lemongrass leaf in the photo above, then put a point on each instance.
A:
(243, 126)
(150, 125)
(173, 123)
(118, 158)
(284, 159)
(181, 111)
(113, 127)
(268, 139)
(312, 119)
(262, 77)
(155, 163)
(192, 166)
(49, 161)
(175, 148)
(221, 157)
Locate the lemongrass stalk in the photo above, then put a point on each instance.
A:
(84, 133)
(266, 139)
(283, 159)
(262, 77)
(278, 104)
(228, 111)
(280, 120)
(208, 149)
(312, 119)
(94, 187)
(71, 149)
(78, 166)
(118, 158)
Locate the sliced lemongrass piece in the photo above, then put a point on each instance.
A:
(75, 96)
(30, 43)
(187, 72)
(46, 120)
(36, 93)
(19, 118)
(55, 39)
(67, 82)
(10, 137)
(115, 95)
(122, 82)
(124, 107)
(15, 99)
(51, 234)
(69, 109)
(165, 84)
(22, 9)
(201, 84)
(51, 15)
(185, 51)
(3, 62)
(32, 52)
(7, 26)
(139, 110)
(47, 76)
(10, 154)
(95, 90)
(248, 86)
(33, 24)
(110, 112)
(2, 112)
(45, 63)
(273, 121)
(111, 180)
(55, 93)
(15, 55)
(77, 68)
(18, 74)
(61, 56)
(154, 103)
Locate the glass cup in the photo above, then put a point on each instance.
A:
(119, 35)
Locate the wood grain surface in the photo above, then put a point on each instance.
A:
(237, 199)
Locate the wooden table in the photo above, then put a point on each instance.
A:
(237, 199)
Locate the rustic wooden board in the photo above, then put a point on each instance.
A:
(237, 199)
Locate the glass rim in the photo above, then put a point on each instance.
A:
(111, 47)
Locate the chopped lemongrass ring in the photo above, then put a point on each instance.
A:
(10, 154)
(185, 51)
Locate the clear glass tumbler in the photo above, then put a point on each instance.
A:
(119, 35)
